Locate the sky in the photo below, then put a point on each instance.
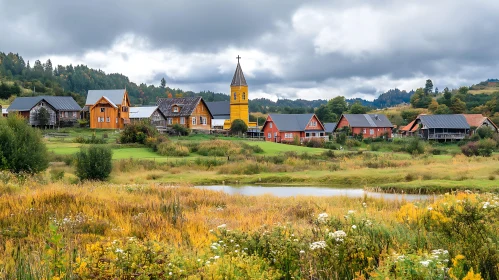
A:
(289, 48)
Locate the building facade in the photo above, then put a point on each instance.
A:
(190, 112)
(108, 109)
(368, 125)
(61, 111)
(292, 127)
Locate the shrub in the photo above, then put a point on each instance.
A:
(313, 142)
(94, 163)
(137, 132)
(83, 123)
(352, 143)
(21, 147)
(56, 174)
(238, 127)
(341, 138)
(173, 149)
(219, 148)
(484, 132)
(92, 140)
(330, 145)
(486, 147)
(415, 146)
(180, 129)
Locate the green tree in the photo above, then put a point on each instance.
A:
(409, 115)
(442, 109)
(94, 163)
(420, 100)
(428, 89)
(357, 108)
(337, 105)
(21, 146)
(238, 127)
(163, 83)
(433, 106)
(325, 114)
(457, 106)
(43, 117)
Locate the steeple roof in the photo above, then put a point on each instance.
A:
(238, 79)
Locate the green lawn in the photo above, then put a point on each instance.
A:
(271, 148)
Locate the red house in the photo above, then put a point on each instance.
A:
(286, 127)
(370, 125)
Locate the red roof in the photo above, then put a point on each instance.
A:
(475, 120)
(408, 127)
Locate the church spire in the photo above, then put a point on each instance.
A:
(238, 79)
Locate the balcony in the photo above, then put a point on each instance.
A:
(446, 136)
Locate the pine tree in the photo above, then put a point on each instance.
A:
(163, 83)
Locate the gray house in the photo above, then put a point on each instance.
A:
(62, 110)
(441, 127)
(150, 113)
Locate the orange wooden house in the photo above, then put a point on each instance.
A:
(108, 109)
(191, 112)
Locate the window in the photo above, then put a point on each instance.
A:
(108, 119)
(124, 109)
(244, 95)
(270, 125)
(275, 134)
(61, 115)
(269, 135)
(288, 135)
(182, 120)
(307, 134)
(202, 120)
(371, 131)
(66, 114)
(235, 96)
(170, 120)
(364, 131)
(313, 123)
(116, 120)
(74, 114)
(193, 120)
(175, 109)
(102, 110)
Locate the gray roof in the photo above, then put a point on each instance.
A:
(186, 104)
(219, 109)
(114, 95)
(329, 126)
(291, 122)
(367, 120)
(142, 112)
(59, 103)
(238, 79)
(444, 121)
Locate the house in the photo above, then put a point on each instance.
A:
(288, 127)
(409, 129)
(191, 112)
(478, 120)
(369, 125)
(62, 110)
(441, 127)
(220, 111)
(108, 109)
(150, 113)
(329, 128)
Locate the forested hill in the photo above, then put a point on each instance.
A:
(20, 78)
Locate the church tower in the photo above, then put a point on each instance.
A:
(238, 98)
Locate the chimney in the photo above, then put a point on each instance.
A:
(376, 117)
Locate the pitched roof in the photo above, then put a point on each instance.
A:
(444, 121)
(59, 103)
(329, 127)
(291, 122)
(477, 120)
(238, 79)
(408, 127)
(142, 112)
(367, 120)
(113, 95)
(187, 106)
(219, 109)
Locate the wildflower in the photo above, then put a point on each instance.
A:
(216, 257)
(322, 218)
(425, 263)
(354, 226)
(208, 262)
(211, 230)
(364, 204)
(170, 273)
(222, 226)
(338, 235)
(430, 208)
(350, 212)
(236, 251)
(486, 204)
(318, 245)
(302, 252)
(119, 251)
(199, 260)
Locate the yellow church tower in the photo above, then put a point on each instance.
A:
(239, 99)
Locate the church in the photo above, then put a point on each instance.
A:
(225, 112)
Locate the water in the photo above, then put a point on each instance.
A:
(286, 191)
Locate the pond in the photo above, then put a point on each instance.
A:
(289, 191)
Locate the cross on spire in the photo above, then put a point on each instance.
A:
(238, 57)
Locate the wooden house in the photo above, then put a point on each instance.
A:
(441, 127)
(477, 121)
(108, 109)
(62, 110)
(288, 127)
(369, 125)
(190, 112)
(150, 113)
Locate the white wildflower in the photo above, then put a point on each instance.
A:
(425, 263)
(322, 218)
(364, 204)
(318, 245)
(216, 257)
(236, 251)
(208, 262)
(338, 235)
(302, 252)
(354, 226)
(350, 212)
(119, 251)
(222, 226)
(170, 273)
(430, 208)
(486, 205)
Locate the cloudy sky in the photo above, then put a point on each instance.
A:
(289, 48)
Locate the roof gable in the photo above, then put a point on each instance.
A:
(59, 103)
(291, 122)
(187, 106)
(104, 98)
(114, 95)
(367, 120)
(142, 112)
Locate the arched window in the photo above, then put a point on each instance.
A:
(235, 96)
(244, 95)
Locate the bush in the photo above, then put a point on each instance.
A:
(21, 147)
(415, 146)
(137, 132)
(482, 148)
(484, 132)
(92, 140)
(83, 123)
(180, 129)
(330, 145)
(173, 149)
(352, 143)
(341, 138)
(238, 127)
(94, 163)
(313, 142)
